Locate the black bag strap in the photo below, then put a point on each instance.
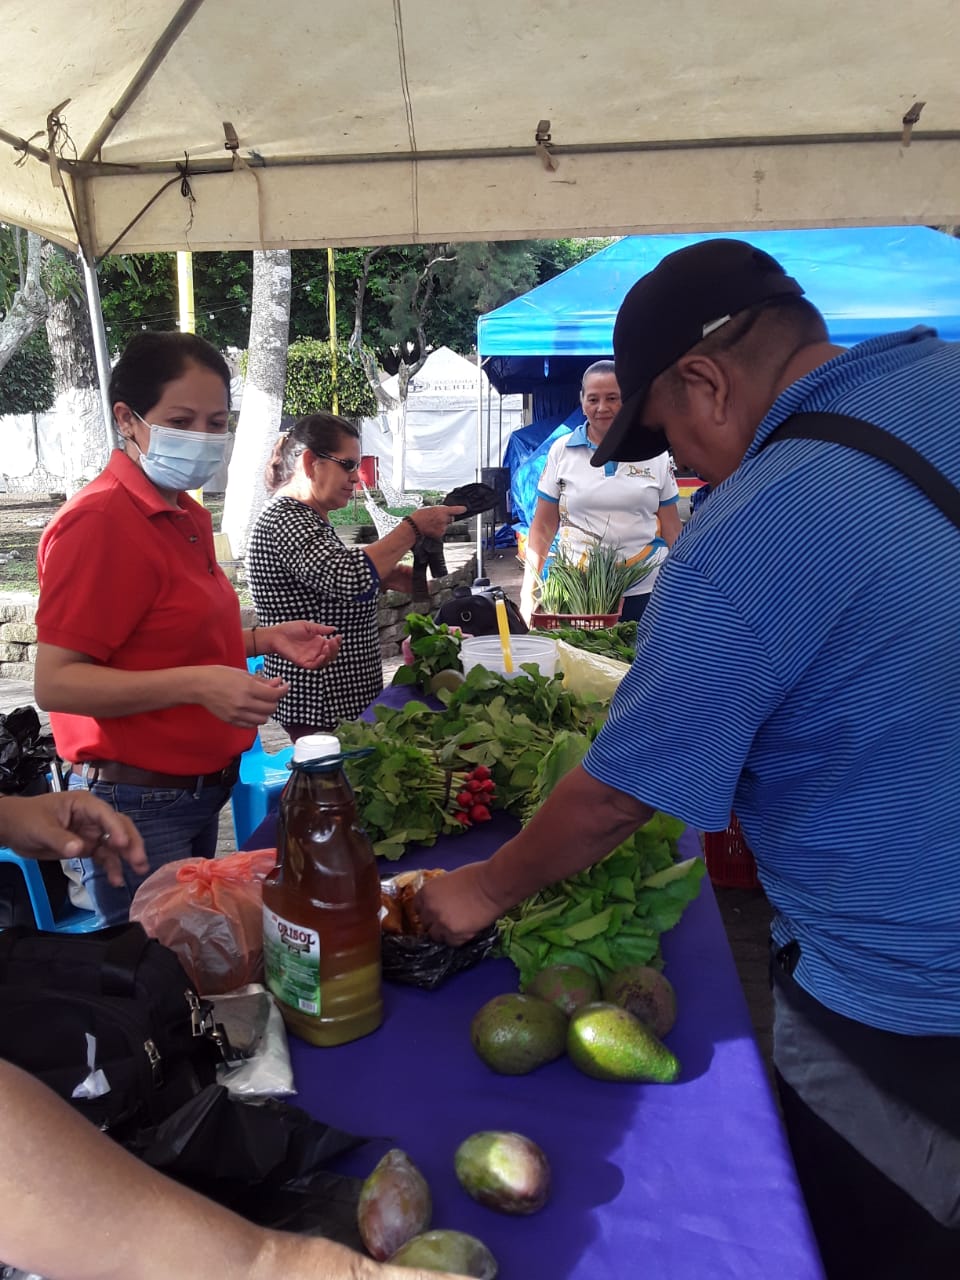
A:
(857, 433)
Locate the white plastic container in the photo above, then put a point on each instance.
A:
(486, 651)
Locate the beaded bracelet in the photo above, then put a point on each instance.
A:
(413, 525)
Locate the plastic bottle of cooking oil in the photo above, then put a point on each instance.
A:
(321, 904)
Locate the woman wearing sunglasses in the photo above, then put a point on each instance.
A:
(298, 568)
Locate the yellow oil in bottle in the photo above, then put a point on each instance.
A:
(321, 905)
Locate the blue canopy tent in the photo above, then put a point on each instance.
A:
(865, 280)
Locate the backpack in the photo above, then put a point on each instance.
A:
(107, 1020)
(475, 612)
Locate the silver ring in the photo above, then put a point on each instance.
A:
(104, 838)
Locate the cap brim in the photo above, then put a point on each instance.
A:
(627, 439)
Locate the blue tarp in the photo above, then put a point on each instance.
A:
(526, 456)
(865, 280)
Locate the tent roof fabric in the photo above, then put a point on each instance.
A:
(398, 121)
(865, 281)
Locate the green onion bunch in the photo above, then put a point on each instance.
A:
(596, 587)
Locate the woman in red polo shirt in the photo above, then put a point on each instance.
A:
(142, 658)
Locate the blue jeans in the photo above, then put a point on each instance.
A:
(174, 825)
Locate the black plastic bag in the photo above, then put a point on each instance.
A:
(25, 753)
(264, 1160)
(421, 962)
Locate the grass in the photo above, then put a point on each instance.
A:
(23, 516)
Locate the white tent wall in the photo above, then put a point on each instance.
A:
(441, 425)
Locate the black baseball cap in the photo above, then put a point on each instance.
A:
(688, 295)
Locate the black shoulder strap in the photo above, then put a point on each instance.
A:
(856, 433)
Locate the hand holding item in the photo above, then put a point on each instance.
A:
(308, 644)
(238, 698)
(455, 907)
(72, 824)
(433, 522)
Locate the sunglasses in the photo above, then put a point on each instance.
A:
(347, 463)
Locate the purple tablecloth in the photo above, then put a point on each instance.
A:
(691, 1181)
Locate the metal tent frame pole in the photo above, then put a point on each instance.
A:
(480, 364)
(92, 289)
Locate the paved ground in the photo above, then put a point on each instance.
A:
(746, 913)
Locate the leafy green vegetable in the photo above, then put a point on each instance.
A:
(618, 642)
(435, 648)
(610, 915)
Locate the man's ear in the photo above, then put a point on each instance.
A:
(706, 381)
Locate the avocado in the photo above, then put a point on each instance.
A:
(504, 1171)
(452, 1251)
(394, 1205)
(645, 993)
(514, 1034)
(449, 680)
(609, 1043)
(565, 985)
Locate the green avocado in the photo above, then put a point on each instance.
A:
(451, 1251)
(565, 985)
(646, 994)
(514, 1034)
(449, 680)
(503, 1170)
(609, 1043)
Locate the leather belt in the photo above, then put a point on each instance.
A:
(129, 775)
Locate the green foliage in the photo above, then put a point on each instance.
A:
(61, 277)
(612, 914)
(309, 386)
(435, 648)
(26, 381)
(140, 291)
(10, 261)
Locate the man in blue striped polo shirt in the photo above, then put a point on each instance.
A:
(819, 645)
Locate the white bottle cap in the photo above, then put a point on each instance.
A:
(315, 746)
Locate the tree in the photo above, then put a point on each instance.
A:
(309, 387)
(77, 403)
(263, 389)
(21, 292)
(26, 381)
(478, 278)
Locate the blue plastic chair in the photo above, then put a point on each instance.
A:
(70, 919)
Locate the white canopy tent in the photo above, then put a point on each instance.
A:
(430, 442)
(135, 125)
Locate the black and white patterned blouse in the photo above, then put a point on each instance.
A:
(297, 567)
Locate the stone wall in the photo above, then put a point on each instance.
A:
(18, 631)
(18, 635)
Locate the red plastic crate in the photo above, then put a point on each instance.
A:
(582, 621)
(730, 864)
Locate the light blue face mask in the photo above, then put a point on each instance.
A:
(180, 460)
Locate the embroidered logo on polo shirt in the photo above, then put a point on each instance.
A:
(631, 469)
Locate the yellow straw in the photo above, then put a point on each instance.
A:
(504, 629)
